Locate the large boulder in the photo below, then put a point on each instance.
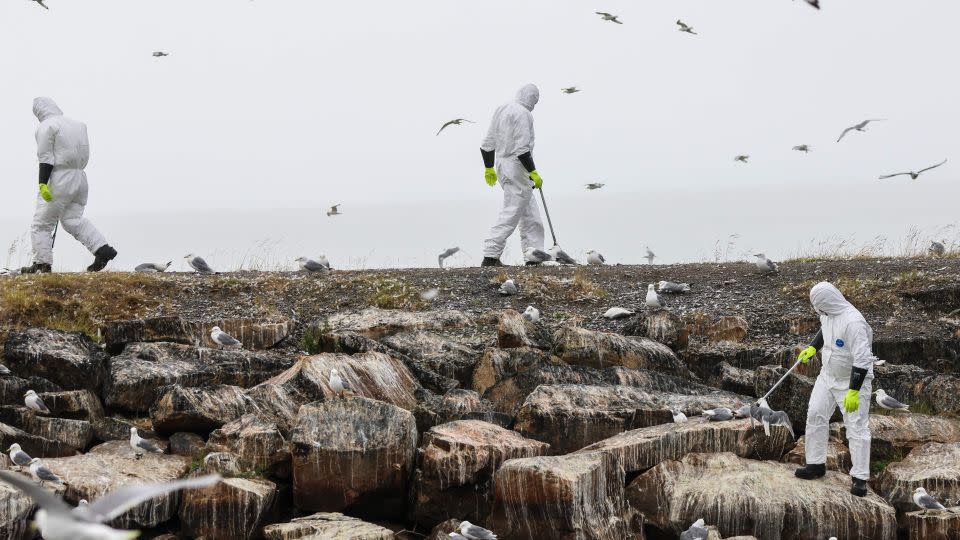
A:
(143, 368)
(455, 467)
(70, 360)
(705, 358)
(12, 388)
(327, 526)
(34, 445)
(233, 509)
(276, 402)
(934, 466)
(457, 404)
(199, 410)
(733, 379)
(353, 453)
(898, 433)
(448, 358)
(72, 434)
(74, 404)
(257, 441)
(641, 449)
(573, 497)
(376, 323)
(570, 417)
(759, 498)
(934, 524)
(515, 331)
(662, 326)
(15, 509)
(579, 346)
(254, 334)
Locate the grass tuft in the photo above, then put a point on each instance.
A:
(877, 465)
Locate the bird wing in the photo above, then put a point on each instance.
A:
(227, 339)
(148, 446)
(314, 266)
(849, 129)
(603, 13)
(932, 167)
(42, 4)
(927, 501)
(201, 265)
(601, 258)
(443, 127)
(884, 177)
(892, 402)
(119, 501)
(474, 531)
(42, 497)
(771, 265)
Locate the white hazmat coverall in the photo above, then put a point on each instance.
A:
(62, 142)
(847, 343)
(510, 135)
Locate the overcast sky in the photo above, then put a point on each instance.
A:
(300, 104)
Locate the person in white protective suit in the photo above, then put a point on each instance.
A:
(63, 151)
(845, 342)
(508, 146)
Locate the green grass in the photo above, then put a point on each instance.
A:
(878, 465)
(312, 340)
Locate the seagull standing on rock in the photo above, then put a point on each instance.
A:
(141, 446)
(198, 264)
(18, 457)
(678, 416)
(152, 268)
(475, 532)
(765, 265)
(34, 403)
(653, 299)
(508, 288)
(224, 339)
(531, 314)
(561, 256)
(937, 249)
(922, 499)
(697, 531)
(41, 473)
(889, 403)
(595, 258)
(336, 383)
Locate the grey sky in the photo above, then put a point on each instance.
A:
(301, 104)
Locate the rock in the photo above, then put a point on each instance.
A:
(792, 396)
(455, 467)
(759, 498)
(186, 444)
(328, 526)
(112, 465)
(115, 429)
(142, 368)
(729, 328)
(933, 524)
(199, 410)
(15, 510)
(802, 325)
(233, 509)
(641, 449)
(515, 331)
(456, 404)
(578, 496)
(256, 441)
(223, 463)
(353, 453)
(74, 404)
(254, 334)
(901, 432)
(733, 379)
(376, 323)
(34, 445)
(442, 530)
(912, 384)
(570, 417)
(934, 466)
(448, 358)
(275, 402)
(13, 388)
(838, 456)
(667, 328)
(70, 360)
(72, 434)
(704, 359)
(579, 346)
(496, 365)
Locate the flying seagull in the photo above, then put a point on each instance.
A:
(669, 287)
(508, 288)
(653, 299)
(888, 402)
(152, 268)
(334, 210)
(765, 265)
(913, 175)
(718, 414)
(802, 148)
(40, 2)
(42, 473)
(224, 339)
(449, 252)
(33, 402)
(608, 17)
(816, 4)
(650, 256)
(922, 499)
(594, 185)
(531, 314)
(536, 256)
(198, 264)
(475, 532)
(742, 158)
(571, 90)
(594, 257)
(456, 122)
(937, 248)
(697, 531)
(859, 127)
(18, 457)
(615, 313)
(160, 54)
(141, 446)
(337, 385)
(685, 28)
(310, 265)
(561, 256)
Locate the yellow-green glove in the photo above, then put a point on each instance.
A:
(45, 192)
(537, 181)
(852, 402)
(807, 354)
(490, 175)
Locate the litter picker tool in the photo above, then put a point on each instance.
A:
(54, 235)
(765, 396)
(547, 212)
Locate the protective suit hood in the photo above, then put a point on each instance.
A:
(44, 107)
(828, 300)
(528, 96)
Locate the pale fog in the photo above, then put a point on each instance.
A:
(267, 112)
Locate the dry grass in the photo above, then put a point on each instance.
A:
(871, 292)
(576, 288)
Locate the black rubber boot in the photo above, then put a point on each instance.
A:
(810, 472)
(103, 255)
(36, 268)
(859, 487)
(491, 261)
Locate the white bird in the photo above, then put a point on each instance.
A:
(82, 502)
(334, 210)
(160, 54)
(142, 446)
(455, 122)
(310, 265)
(33, 402)
(742, 158)
(18, 457)
(41, 473)
(669, 287)
(922, 499)
(475, 532)
(776, 418)
(152, 268)
(594, 185)
(570, 90)
(595, 258)
(430, 295)
(336, 383)
(198, 264)
(653, 299)
(531, 314)
(859, 127)
(617, 313)
(765, 265)
(58, 521)
(650, 256)
(718, 414)
(508, 288)
(802, 148)
(561, 256)
(4, 370)
(678, 416)
(449, 252)
(888, 402)
(685, 28)
(608, 17)
(536, 256)
(911, 174)
(937, 248)
(697, 531)
(457, 536)
(224, 339)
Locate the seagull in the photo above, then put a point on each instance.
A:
(571, 90)
(685, 28)
(18, 457)
(718, 414)
(536, 256)
(141, 446)
(653, 299)
(4, 370)
(742, 158)
(457, 536)
(198, 264)
(669, 287)
(152, 268)
(561, 256)
(859, 127)
(802, 148)
(160, 54)
(449, 252)
(888, 402)
(678, 416)
(913, 175)
(531, 314)
(742, 412)
(937, 248)
(608, 17)
(224, 339)
(595, 258)
(310, 265)
(57, 521)
(765, 265)
(474, 532)
(430, 295)
(508, 288)
(334, 210)
(925, 501)
(816, 4)
(82, 502)
(33, 402)
(617, 313)
(40, 2)
(42, 473)
(336, 383)
(697, 531)
(650, 256)
(456, 122)
(776, 418)
(594, 185)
